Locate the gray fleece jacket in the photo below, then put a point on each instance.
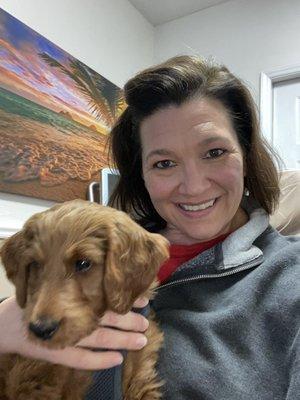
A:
(231, 319)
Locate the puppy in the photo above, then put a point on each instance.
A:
(69, 265)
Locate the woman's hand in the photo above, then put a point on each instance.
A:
(13, 339)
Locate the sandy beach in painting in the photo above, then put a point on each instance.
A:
(46, 154)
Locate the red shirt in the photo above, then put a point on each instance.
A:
(180, 253)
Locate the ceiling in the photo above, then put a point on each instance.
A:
(160, 11)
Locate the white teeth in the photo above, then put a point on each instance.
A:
(197, 207)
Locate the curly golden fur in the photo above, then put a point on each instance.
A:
(69, 265)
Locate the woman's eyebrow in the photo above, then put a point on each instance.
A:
(212, 139)
(159, 152)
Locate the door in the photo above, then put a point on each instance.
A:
(286, 121)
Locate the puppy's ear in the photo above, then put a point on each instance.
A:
(11, 255)
(133, 260)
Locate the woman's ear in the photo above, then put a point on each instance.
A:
(11, 255)
(133, 259)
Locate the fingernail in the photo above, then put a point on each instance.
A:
(146, 324)
(141, 341)
(119, 360)
(142, 301)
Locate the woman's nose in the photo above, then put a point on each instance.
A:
(194, 181)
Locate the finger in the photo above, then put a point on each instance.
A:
(141, 302)
(76, 357)
(128, 322)
(106, 338)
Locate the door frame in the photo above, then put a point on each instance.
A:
(267, 81)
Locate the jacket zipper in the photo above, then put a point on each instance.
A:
(208, 276)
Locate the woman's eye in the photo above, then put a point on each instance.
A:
(164, 164)
(214, 153)
(82, 265)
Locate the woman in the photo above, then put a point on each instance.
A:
(194, 168)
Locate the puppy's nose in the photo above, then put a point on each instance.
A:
(44, 327)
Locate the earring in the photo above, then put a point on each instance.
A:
(246, 192)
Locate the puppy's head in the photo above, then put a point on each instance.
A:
(73, 262)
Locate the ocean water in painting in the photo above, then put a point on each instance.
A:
(18, 105)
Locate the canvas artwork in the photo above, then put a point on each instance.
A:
(55, 115)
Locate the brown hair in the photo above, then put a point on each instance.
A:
(174, 82)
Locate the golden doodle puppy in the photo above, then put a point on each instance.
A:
(69, 265)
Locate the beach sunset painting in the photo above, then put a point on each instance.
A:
(55, 116)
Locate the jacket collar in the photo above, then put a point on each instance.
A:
(237, 252)
(238, 248)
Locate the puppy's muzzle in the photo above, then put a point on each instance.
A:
(44, 327)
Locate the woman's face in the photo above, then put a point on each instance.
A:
(193, 169)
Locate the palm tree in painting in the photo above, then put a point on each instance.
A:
(104, 100)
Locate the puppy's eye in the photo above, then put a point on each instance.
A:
(33, 264)
(82, 265)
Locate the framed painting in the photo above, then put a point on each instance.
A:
(55, 116)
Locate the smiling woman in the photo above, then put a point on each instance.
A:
(170, 89)
(195, 168)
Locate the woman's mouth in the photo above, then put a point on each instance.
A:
(197, 207)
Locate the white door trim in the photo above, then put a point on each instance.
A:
(267, 80)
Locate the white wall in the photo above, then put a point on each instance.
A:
(110, 36)
(247, 36)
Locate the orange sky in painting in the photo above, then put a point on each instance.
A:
(24, 72)
(11, 81)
